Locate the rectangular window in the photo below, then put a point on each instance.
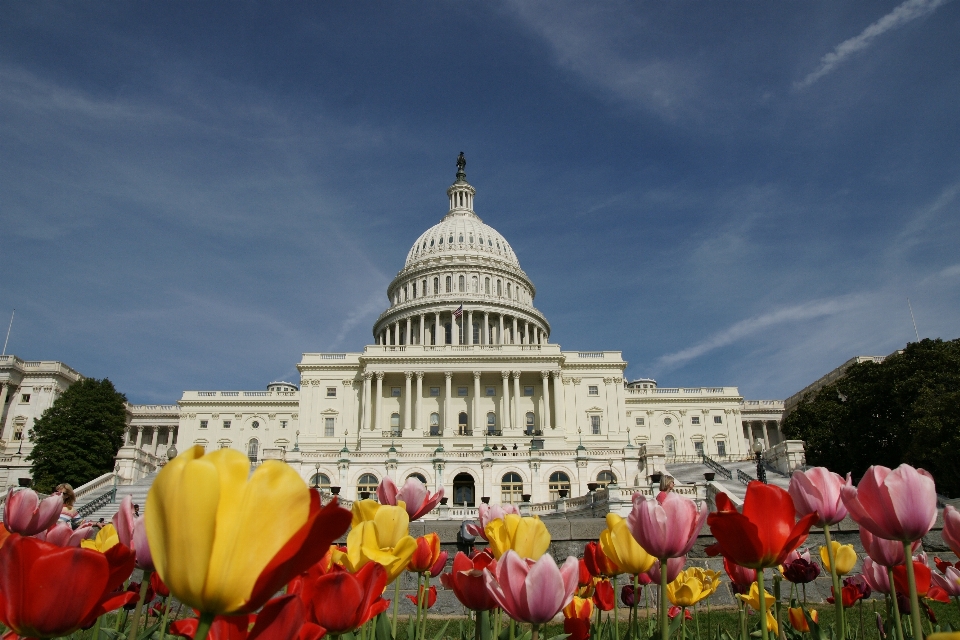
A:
(695, 420)
(283, 424)
(717, 419)
(24, 398)
(593, 390)
(328, 424)
(203, 424)
(639, 422)
(331, 392)
(698, 448)
(395, 392)
(721, 448)
(491, 391)
(462, 392)
(449, 284)
(528, 391)
(595, 425)
(414, 289)
(434, 392)
(226, 424)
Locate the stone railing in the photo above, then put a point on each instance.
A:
(716, 466)
(786, 457)
(134, 463)
(743, 478)
(95, 486)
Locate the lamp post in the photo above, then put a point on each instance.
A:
(116, 475)
(758, 451)
(316, 477)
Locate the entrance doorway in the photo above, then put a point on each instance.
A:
(463, 490)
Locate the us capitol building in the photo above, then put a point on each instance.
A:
(461, 388)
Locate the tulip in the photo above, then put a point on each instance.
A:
(133, 533)
(430, 600)
(280, 619)
(922, 577)
(584, 578)
(798, 621)
(340, 601)
(876, 576)
(894, 505)
(860, 583)
(426, 553)
(740, 577)
(943, 564)
(951, 528)
(604, 597)
(489, 513)
(674, 611)
(25, 513)
(527, 537)
(845, 555)
(692, 586)
(800, 571)
(414, 495)
(628, 596)
(885, 552)
(666, 527)
(598, 563)
(439, 565)
(752, 597)
(621, 547)
(576, 618)
(674, 567)
(949, 581)
(156, 583)
(380, 534)
(48, 591)
(63, 535)
(467, 583)
(225, 540)
(817, 491)
(532, 591)
(850, 596)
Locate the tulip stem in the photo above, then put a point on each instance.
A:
(426, 600)
(835, 579)
(664, 624)
(512, 628)
(535, 632)
(163, 621)
(96, 629)
(203, 626)
(396, 605)
(683, 623)
(135, 623)
(743, 621)
(616, 615)
(896, 607)
(763, 604)
(635, 625)
(914, 601)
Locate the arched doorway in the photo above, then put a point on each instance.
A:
(463, 490)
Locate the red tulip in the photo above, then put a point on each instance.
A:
(466, 580)
(668, 526)
(156, 583)
(764, 533)
(576, 618)
(894, 505)
(439, 565)
(604, 596)
(280, 619)
(850, 596)
(740, 577)
(340, 601)
(25, 513)
(597, 561)
(585, 577)
(426, 553)
(938, 594)
(921, 573)
(674, 610)
(416, 498)
(431, 597)
(134, 587)
(943, 564)
(48, 591)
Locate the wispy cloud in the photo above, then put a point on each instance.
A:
(797, 313)
(904, 13)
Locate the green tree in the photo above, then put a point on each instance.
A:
(77, 438)
(905, 410)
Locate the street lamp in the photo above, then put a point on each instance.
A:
(758, 451)
(316, 478)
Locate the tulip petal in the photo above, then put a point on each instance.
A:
(544, 590)
(737, 537)
(387, 491)
(123, 521)
(914, 496)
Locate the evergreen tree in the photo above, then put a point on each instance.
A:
(906, 409)
(77, 438)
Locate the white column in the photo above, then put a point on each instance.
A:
(437, 331)
(477, 422)
(517, 418)
(505, 411)
(418, 418)
(396, 332)
(377, 418)
(763, 428)
(422, 316)
(469, 327)
(526, 332)
(485, 337)
(455, 328)
(500, 334)
(407, 406)
(365, 401)
(408, 334)
(558, 399)
(513, 334)
(448, 376)
(545, 376)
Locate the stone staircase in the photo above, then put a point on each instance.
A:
(138, 490)
(691, 472)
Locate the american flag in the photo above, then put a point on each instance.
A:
(459, 311)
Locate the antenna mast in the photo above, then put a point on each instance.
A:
(911, 317)
(8, 333)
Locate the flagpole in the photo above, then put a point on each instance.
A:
(8, 333)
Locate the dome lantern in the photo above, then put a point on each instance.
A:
(460, 193)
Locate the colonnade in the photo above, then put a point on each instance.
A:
(135, 438)
(770, 433)
(507, 406)
(430, 329)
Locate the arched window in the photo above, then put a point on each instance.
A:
(450, 239)
(508, 289)
(395, 424)
(431, 242)
(462, 424)
(486, 286)
(449, 284)
(436, 286)
(491, 423)
(424, 287)
(414, 289)
(461, 237)
(434, 424)
(253, 449)
(670, 445)
(559, 481)
(476, 284)
(529, 422)
(471, 238)
(320, 481)
(367, 484)
(606, 477)
(418, 476)
(461, 282)
(511, 488)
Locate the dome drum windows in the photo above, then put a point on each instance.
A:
(462, 284)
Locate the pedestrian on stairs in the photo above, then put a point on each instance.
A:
(68, 514)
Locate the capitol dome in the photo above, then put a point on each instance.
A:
(461, 233)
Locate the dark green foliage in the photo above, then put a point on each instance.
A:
(906, 410)
(77, 438)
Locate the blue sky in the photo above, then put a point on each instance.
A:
(194, 194)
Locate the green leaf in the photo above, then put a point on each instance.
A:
(442, 631)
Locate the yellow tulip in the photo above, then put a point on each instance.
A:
(381, 534)
(692, 585)
(844, 554)
(107, 537)
(753, 597)
(225, 540)
(618, 544)
(527, 537)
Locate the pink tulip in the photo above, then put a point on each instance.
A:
(949, 581)
(894, 505)
(884, 552)
(532, 591)
(668, 526)
(25, 513)
(63, 535)
(876, 575)
(489, 513)
(414, 495)
(818, 491)
(674, 567)
(951, 528)
(796, 554)
(131, 531)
